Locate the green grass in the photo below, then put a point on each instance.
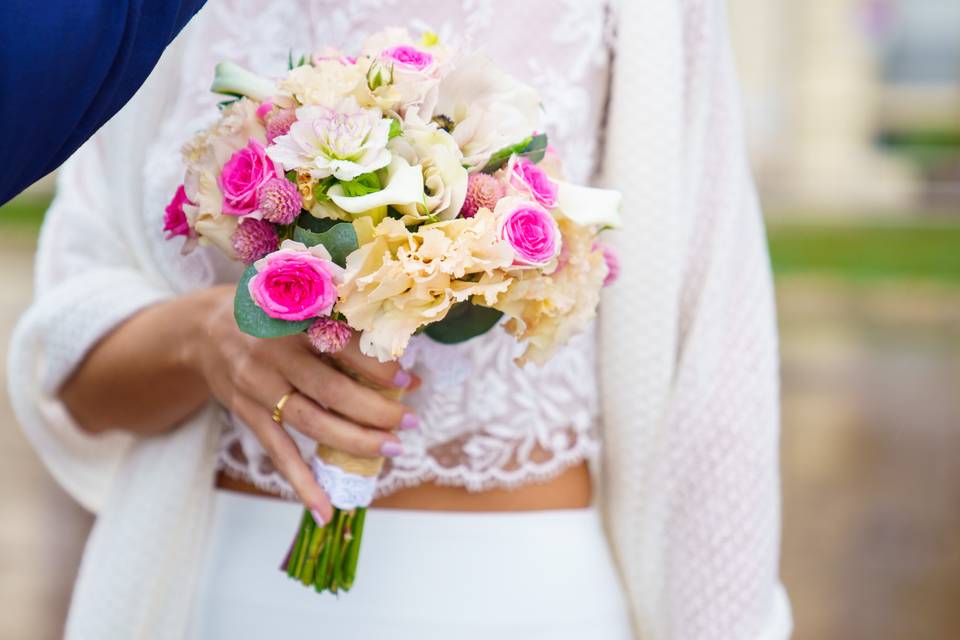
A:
(858, 250)
(864, 251)
(23, 215)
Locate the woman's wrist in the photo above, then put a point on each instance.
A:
(205, 310)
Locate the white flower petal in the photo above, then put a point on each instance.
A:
(232, 79)
(587, 206)
(404, 186)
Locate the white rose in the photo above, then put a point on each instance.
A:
(489, 109)
(440, 159)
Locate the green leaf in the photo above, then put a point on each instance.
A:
(252, 320)
(536, 149)
(532, 148)
(315, 224)
(396, 129)
(320, 188)
(291, 176)
(500, 158)
(340, 240)
(464, 321)
(362, 185)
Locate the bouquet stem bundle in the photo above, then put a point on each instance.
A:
(326, 556)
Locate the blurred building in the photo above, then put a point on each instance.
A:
(852, 106)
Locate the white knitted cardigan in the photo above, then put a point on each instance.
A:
(690, 485)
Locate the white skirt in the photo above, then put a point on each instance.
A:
(422, 575)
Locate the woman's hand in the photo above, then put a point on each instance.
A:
(163, 363)
(249, 376)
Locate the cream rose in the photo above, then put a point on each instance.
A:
(489, 109)
(440, 159)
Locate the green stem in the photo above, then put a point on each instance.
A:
(335, 552)
(297, 544)
(353, 555)
(322, 582)
(302, 556)
(316, 540)
(347, 540)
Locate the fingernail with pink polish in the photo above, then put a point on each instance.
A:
(409, 421)
(402, 379)
(391, 449)
(317, 517)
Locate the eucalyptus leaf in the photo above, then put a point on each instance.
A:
(252, 320)
(340, 240)
(532, 148)
(500, 158)
(318, 225)
(536, 149)
(464, 321)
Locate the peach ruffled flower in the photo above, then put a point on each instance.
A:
(546, 310)
(400, 280)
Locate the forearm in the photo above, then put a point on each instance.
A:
(143, 377)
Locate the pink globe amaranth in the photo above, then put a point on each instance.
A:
(278, 123)
(527, 176)
(280, 201)
(612, 260)
(408, 56)
(483, 191)
(328, 335)
(174, 219)
(242, 176)
(293, 285)
(533, 234)
(254, 239)
(263, 111)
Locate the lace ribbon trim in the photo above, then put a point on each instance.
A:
(346, 490)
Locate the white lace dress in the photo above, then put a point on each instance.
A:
(686, 342)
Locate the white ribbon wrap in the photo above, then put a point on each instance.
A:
(346, 490)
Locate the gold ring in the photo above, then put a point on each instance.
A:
(278, 408)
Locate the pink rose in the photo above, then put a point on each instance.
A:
(264, 110)
(612, 261)
(174, 219)
(295, 283)
(533, 234)
(408, 56)
(242, 176)
(528, 177)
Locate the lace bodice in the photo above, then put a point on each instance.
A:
(484, 422)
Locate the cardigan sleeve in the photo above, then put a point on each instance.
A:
(87, 281)
(722, 519)
(688, 341)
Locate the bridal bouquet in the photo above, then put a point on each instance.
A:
(406, 189)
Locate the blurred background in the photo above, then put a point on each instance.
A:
(853, 112)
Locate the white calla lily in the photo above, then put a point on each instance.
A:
(588, 206)
(234, 80)
(404, 186)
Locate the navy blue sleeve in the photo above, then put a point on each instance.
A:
(66, 66)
